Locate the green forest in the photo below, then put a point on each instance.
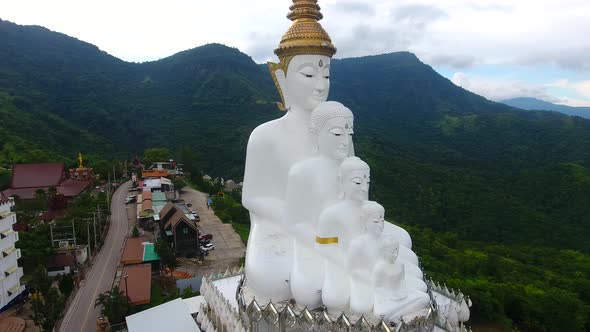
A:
(495, 198)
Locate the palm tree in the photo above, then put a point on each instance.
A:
(114, 304)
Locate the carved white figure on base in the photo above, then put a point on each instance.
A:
(312, 186)
(338, 224)
(392, 297)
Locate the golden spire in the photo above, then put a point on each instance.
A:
(306, 35)
(80, 165)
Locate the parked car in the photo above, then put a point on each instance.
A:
(189, 204)
(133, 189)
(196, 215)
(203, 237)
(204, 242)
(130, 199)
(207, 247)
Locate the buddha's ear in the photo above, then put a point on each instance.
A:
(279, 77)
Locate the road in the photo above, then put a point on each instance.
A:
(81, 315)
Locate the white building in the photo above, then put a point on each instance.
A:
(10, 272)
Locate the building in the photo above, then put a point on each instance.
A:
(26, 179)
(139, 251)
(178, 226)
(61, 264)
(155, 173)
(11, 273)
(136, 282)
(171, 316)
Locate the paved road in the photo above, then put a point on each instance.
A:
(81, 315)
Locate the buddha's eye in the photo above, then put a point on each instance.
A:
(336, 132)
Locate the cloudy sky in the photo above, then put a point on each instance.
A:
(499, 49)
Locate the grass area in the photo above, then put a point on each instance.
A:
(243, 230)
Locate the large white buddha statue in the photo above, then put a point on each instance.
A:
(313, 186)
(303, 80)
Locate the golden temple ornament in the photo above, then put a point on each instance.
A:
(305, 35)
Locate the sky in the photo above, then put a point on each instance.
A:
(499, 49)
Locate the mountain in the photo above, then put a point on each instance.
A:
(494, 197)
(541, 105)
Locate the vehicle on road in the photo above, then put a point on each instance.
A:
(130, 199)
(203, 237)
(207, 247)
(189, 204)
(196, 215)
(133, 189)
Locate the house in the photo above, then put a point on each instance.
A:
(178, 226)
(139, 251)
(157, 184)
(60, 264)
(11, 273)
(26, 179)
(154, 173)
(136, 282)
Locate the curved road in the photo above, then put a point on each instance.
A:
(81, 315)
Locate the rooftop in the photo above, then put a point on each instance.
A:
(170, 316)
(139, 283)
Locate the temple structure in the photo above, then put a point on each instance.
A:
(82, 173)
(320, 255)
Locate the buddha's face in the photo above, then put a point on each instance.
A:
(391, 252)
(335, 138)
(375, 223)
(307, 81)
(355, 185)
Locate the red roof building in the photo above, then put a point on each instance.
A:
(28, 178)
(139, 283)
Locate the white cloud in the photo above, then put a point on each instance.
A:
(497, 89)
(502, 89)
(491, 31)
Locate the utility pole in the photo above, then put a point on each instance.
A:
(114, 174)
(74, 232)
(109, 193)
(88, 236)
(94, 219)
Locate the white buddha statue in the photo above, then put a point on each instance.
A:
(338, 224)
(312, 186)
(393, 298)
(363, 253)
(303, 80)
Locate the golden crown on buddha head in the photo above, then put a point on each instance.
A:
(305, 36)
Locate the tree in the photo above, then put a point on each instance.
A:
(66, 284)
(40, 280)
(135, 232)
(167, 257)
(47, 308)
(114, 304)
(40, 194)
(155, 154)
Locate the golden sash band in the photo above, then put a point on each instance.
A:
(326, 240)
